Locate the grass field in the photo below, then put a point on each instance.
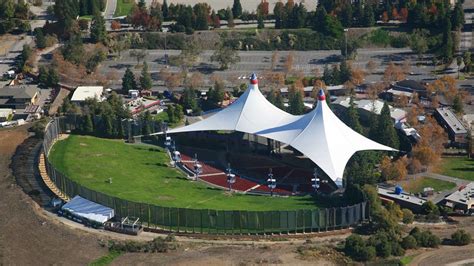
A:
(123, 7)
(462, 167)
(417, 185)
(139, 173)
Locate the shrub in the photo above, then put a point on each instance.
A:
(356, 248)
(381, 243)
(397, 249)
(409, 242)
(460, 238)
(408, 216)
(425, 238)
(430, 208)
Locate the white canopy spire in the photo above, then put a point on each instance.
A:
(319, 134)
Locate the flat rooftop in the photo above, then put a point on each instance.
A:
(390, 193)
(451, 120)
(464, 196)
(84, 92)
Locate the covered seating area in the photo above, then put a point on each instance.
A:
(319, 135)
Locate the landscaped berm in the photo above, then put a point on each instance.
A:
(141, 173)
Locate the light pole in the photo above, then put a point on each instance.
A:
(230, 177)
(345, 39)
(197, 168)
(165, 30)
(271, 182)
(316, 182)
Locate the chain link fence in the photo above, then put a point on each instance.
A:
(205, 220)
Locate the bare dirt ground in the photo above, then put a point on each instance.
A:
(27, 238)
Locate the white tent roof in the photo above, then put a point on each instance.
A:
(85, 208)
(250, 113)
(319, 134)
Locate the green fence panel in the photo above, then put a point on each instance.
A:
(212, 214)
(220, 221)
(229, 222)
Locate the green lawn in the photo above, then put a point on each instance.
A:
(139, 173)
(417, 185)
(106, 260)
(123, 7)
(462, 167)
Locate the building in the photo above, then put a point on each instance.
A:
(462, 199)
(365, 107)
(308, 91)
(407, 88)
(18, 96)
(456, 131)
(403, 199)
(87, 92)
(5, 114)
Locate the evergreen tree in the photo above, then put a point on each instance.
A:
(345, 71)
(189, 99)
(201, 12)
(98, 30)
(279, 102)
(230, 18)
(448, 45)
(369, 17)
(457, 104)
(236, 9)
(128, 81)
(53, 78)
(260, 22)
(217, 94)
(146, 126)
(40, 38)
(347, 16)
(327, 75)
(170, 112)
(319, 19)
(457, 18)
(107, 121)
(88, 126)
(336, 75)
(165, 9)
(278, 12)
(43, 77)
(271, 97)
(386, 133)
(178, 113)
(145, 78)
(359, 13)
(353, 116)
(295, 101)
(73, 51)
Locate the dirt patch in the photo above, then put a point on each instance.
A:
(27, 237)
(82, 144)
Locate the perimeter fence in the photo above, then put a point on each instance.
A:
(206, 221)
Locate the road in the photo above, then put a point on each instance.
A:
(110, 9)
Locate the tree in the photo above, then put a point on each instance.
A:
(418, 42)
(202, 14)
(448, 45)
(165, 9)
(353, 116)
(139, 54)
(279, 101)
(289, 63)
(128, 81)
(216, 21)
(147, 120)
(53, 78)
(459, 63)
(457, 104)
(271, 97)
(371, 66)
(145, 79)
(386, 133)
(225, 56)
(408, 218)
(236, 9)
(295, 101)
(457, 17)
(43, 77)
(216, 96)
(189, 99)
(460, 238)
(260, 23)
(98, 30)
(189, 54)
(393, 73)
(369, 18)
(73, 51)
(279, 12)
(88, 125)
(409, 242)
(230, 18)
(40, 38)
(115, 25)
(467, 61)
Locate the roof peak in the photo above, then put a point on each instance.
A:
(253, 79)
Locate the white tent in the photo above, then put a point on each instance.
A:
(250, 113)
(319, 134)
(85, 208)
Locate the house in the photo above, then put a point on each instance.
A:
(456, 131)
(407, 88)
(462, 199)
(5, 114)
(18, 96)
(87, 92)
(365, 107)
